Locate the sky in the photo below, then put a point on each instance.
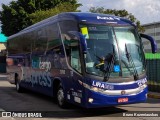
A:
(146, 11)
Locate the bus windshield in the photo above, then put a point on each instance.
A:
(113, 51)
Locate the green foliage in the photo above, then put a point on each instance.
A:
(17, 15)
(121, 13)
(63, 7)
(13, 18)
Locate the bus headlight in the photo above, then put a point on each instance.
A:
(90, 100)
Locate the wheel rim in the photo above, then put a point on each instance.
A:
(60, 96)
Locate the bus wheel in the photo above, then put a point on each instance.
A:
(18, 87)
(60, 97)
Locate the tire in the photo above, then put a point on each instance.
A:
(18, 87)
(60, 97)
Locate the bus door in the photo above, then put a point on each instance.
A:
(72, 47)
(73, 52)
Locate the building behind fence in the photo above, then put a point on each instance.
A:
(153, 60)
(153, 71)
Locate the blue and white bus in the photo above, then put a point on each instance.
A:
(88, 59)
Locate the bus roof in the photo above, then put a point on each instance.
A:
(94, 18)
(98, 18)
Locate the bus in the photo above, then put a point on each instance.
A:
(87, 59)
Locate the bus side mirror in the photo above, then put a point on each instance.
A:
(82, 39)
(152, 41)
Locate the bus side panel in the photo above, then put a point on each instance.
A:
(36, 80)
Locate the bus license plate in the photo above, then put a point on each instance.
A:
(122, 100)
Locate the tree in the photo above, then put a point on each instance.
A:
(13, 18)
(120, 13)
(17, 15)
(62, 7)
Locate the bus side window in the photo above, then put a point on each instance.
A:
(40, 42)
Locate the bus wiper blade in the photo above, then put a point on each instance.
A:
(106, 68)
(110, 58)
(130, 60)
(109, 67)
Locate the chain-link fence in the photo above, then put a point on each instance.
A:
(153, 71)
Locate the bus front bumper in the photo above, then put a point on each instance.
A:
(96, 99)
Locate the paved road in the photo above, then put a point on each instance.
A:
(10, 100)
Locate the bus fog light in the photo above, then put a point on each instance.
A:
(90, 100)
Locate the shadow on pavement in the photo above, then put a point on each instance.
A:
(77, 112)
(81, 112)
(72, 111)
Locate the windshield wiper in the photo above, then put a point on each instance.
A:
(106, 68)
(130, 60)
(110, 58)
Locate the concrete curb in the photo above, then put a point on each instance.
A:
(151, 95)
(3, 77)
